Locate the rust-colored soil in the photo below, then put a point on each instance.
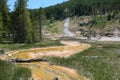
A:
(69, 49)
(45, 71)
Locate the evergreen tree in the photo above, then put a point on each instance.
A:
(1, 28)
(4, 21)
(35, 25)
(22, 24)
(83, 7)
(42, 20)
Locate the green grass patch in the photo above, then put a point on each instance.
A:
(1, 51)
(100, 21)
(8, 71)
(96, 63)
(27, 46)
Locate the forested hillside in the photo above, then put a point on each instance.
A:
(25, 26)
(83, 7)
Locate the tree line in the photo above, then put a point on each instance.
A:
(25, 25)
(83, 8)
(19, 26)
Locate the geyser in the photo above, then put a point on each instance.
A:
(66, 30)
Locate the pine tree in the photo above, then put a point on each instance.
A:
(42, 20)
(4, 20)
(1, 27)
(35, 25)
(22, 25)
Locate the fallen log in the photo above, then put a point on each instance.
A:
(28, 60)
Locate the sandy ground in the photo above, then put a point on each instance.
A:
(45, 71)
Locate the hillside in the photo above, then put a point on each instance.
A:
(84, 26)
(82, 8)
